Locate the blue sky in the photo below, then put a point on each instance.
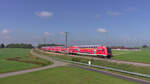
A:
(117, 21)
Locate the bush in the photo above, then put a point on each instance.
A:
(144, 46)
(2, 45)
(92, 60)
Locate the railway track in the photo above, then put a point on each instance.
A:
(102, 59)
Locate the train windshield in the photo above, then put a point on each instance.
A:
(108, 50)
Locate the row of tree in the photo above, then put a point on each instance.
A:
(19, 45)
(22, 45)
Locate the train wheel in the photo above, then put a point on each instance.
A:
(109, 56)
(100, 56)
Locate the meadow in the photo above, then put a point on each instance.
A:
(13, 59)
(142, 55)
(63, 75)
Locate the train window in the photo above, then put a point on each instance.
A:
(99, 50)
(103, 50)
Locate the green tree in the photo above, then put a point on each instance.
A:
(2, 45)
(144, 46)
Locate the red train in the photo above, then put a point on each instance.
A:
(92, 50)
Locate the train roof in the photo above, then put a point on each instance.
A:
(87, 46)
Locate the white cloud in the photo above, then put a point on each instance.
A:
(47, 33)
(113, 13)
(44, 14)
(101, 30)
(5, 31)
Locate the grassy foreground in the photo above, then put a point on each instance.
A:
(136, 56)
(19, 59)
(127, 67)
(63, 75)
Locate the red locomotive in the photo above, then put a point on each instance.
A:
(92, 50)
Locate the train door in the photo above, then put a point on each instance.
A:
(94, 51)
(77, 50)
(103, 51)
(98, 50)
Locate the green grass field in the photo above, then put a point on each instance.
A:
(63, 75)
(135, 56)
(127, 67)
(11, 65)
